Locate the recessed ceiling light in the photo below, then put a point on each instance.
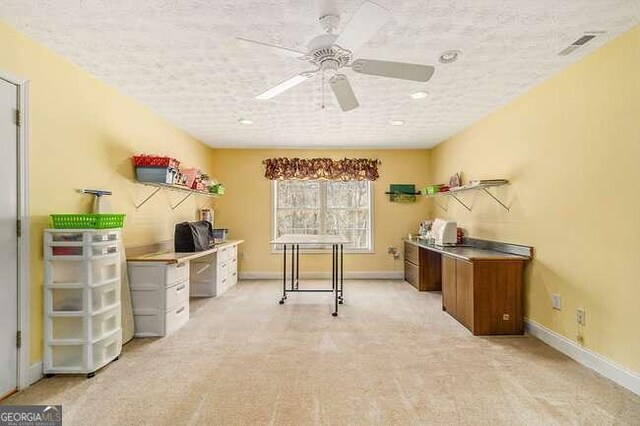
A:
(245, 121)
(419, 95)
(449, 56)
(397, 122)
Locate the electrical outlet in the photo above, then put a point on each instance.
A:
(581, 317)
(556, 301)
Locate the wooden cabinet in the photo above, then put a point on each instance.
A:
(422, 267)
(484, 295)
(449, 284)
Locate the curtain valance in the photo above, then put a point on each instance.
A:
(321, 168)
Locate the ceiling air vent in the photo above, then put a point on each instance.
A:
(576, 44)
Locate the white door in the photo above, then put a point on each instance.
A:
(8, 238)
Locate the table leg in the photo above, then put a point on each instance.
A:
(334, 278)
(284, 275)
(341, 274)
(297, 265)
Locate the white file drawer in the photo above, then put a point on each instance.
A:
(176, 318)
(153, 275)
(223, 254)
(177, 295)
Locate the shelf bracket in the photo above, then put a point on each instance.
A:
(459, 201)
(181, 201)
(439, 205)
(496, 199)
(137, 206)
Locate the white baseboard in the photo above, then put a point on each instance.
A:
(35, 373)
(625, 378)
(348, 275)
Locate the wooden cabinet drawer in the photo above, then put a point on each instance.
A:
(411, 253)
(412, 274)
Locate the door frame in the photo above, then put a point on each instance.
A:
(23, 378)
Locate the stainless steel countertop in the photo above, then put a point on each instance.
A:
(468, 252)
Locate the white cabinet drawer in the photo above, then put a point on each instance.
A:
(223, 254)
(147, 275)
(223, 268)
(177, 295)
(176, 272)
(176, 318)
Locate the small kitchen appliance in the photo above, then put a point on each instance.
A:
(444, 232)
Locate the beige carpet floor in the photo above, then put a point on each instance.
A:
(392, 357)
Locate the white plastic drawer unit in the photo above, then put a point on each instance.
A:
(160, 296)
(155, 274)
(82, 325)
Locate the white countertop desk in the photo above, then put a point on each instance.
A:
(293, 243)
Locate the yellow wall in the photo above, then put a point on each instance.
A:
(246, 208)
(82, 135)
(571, 146)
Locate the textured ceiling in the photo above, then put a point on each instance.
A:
(180, 59)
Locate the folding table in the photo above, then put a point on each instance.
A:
(293, 242)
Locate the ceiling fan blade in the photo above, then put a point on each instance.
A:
(343, 92)
(275, 48)
(285, 85)
(368, 19)
(401, 70)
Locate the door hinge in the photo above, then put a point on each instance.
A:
(19, 228)
(18, 118)
(19, 339)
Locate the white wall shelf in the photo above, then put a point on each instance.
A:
(170, 187)
(453, 193)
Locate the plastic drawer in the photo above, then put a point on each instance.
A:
(67, 356)
(67, 237)
(66, 299)
(106, 350)
(152, 275)
(177, 295)
(176, 318)
(104, 249)
(105, 295)
(67, 272)
(106, 269)
(223, 254)
(65, 328)
(100, 236)
(58, 251)
(105, 323)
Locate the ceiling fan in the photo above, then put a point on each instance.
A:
(330, 52)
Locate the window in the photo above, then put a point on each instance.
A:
(324, 207)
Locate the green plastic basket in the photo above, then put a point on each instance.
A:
(87, 221)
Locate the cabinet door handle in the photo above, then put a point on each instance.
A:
(180, 288)
(179, 311)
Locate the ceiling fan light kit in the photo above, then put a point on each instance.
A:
(330, 52)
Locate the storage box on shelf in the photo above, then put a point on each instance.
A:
(160, 296)
(82, 300)
(215, 274)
